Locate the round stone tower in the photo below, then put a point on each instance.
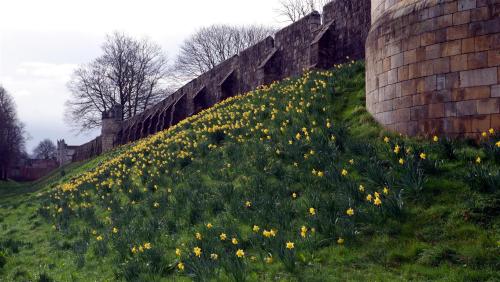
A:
(432, 66)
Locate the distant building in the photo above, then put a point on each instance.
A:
(65, 153)
(32, 169)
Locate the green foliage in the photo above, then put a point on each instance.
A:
(252, 168)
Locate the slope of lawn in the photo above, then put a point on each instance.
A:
(290, 182)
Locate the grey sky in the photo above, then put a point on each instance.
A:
(42, 42)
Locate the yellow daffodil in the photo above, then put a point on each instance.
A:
(248, 204)
(369, 197)
(197, 251)
(423, 156)
(361, 188)
(491, 131)
(401, 161)
(268, 259)
(386, 139)
(234, 241)
(209, 225)
(484, 134)
(397, 149)
(350, 212)
(340, 241)
(478, 160)
(115, 230)
(178, 252)
(294, 195)
(290, 245)
(147, 246)
(180, 266)
(386, 190)
(344, 172)
(156, 205)
(240, 253)
(198, 236)
(99, 238)
(223, 236)
(377, 202)
(312, 211)
(214, 256)
(255, 228)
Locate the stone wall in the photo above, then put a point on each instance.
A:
(433, 67)
(305, 44)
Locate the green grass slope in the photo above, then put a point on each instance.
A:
(291, 182)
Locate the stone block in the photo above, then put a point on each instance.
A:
(480, 123)
(458, 63)
(495, 91)
(477, 60)
(450, 109)
(464, 5)
(410, 56)
(481, 43)
(457, 32)
(488, 76)
(466, 108)
(488, 106)
(451, 48)
(461, 17)
(494, 58)
(436, 110)
(468, 45)
(433, 51)
(471, 93)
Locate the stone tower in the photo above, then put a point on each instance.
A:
(111, 125)
(433, 67)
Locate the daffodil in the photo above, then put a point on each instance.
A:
(386, 139)
(197, 251)
(115, 230)
(386, 190)
(248, 204)
(234, 241)
(361, 188)
(178, 252)
(198, 236)
(401, 161)
(294, 195)
(268, 259)
(344, 172)
(240, 253)
(435, 138)
(491, 131)
(214, 256)
(209, 225)
(350, 212)
(312, 211)
(478, 160)
(180, 266)
(369, 197)
(423, 156)
(377, 201)
(255, 228)
(340, 241)
(147, 246)
(290, 245)
(223, 236)
(397, 149)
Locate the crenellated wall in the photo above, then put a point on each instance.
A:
(433, 66)
(311, 42)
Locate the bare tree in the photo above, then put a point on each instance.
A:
(214, 44)
(45, 150)
(294, 10)
(11, 134)
(131, 73)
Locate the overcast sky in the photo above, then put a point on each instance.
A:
(42, 42)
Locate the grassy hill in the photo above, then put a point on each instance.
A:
(291, 182)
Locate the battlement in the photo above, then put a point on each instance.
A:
(315, 41)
